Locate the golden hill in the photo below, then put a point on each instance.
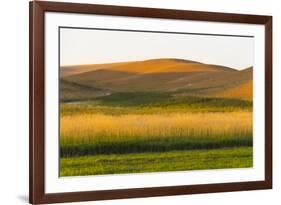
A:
(243, 91)
(182, 77)
(148, 66)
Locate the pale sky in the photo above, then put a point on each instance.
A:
(87, 46)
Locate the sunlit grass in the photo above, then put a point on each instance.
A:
(88, 134)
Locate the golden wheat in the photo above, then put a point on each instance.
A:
(155, 125)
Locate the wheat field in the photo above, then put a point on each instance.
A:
(87, 126)
(89, 134)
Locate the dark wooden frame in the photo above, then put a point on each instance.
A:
(37, 194)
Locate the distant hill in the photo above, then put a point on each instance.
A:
(181, 77)
(147, 66)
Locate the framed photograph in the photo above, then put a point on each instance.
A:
(132, 102)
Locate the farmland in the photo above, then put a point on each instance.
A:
(116, 126)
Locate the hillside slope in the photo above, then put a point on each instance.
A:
(243, 91)
(182, 77)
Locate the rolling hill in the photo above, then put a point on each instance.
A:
(176, 76)
(146, 66)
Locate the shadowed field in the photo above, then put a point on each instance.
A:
(158, 162)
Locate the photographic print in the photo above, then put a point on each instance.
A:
(129, 102)
(136, 101)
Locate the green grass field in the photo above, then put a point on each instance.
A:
(157, 162)
(152, 102)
